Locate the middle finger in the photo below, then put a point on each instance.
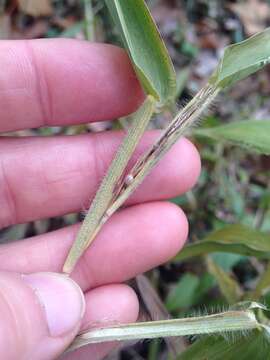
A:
(46, 177)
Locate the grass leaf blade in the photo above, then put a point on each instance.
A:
(237, 238)
(253, 135)
(242, 59)
(146, 48)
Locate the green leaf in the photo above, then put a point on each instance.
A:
(228, 286)
(253, 135)
(146, 48)
(242, 59)
(189, 291)
(181, 296)
(236, 238)
(255, 346)
(207, 282)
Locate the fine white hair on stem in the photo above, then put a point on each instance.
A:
(220, 323)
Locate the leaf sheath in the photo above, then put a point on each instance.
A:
(95, 217)
(229, 321)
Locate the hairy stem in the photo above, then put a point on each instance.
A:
(229, 321)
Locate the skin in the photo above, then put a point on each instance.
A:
(66, 82)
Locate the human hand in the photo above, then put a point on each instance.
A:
(63, 82)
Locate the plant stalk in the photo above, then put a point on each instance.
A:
(95, 218)
(229, 321)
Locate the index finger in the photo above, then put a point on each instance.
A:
(60, 82)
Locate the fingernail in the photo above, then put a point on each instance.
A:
(62, 301)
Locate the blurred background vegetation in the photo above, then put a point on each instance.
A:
(234, 184)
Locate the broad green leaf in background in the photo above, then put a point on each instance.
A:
(181, 295)
(228, 286)
(253, 135)
(188, 291)
(236, 238)
(242, 59)
(207, 282)
(146, 48)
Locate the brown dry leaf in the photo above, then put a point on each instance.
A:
(36, 7)
(253, 13)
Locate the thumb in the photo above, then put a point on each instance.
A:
(40, 315)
